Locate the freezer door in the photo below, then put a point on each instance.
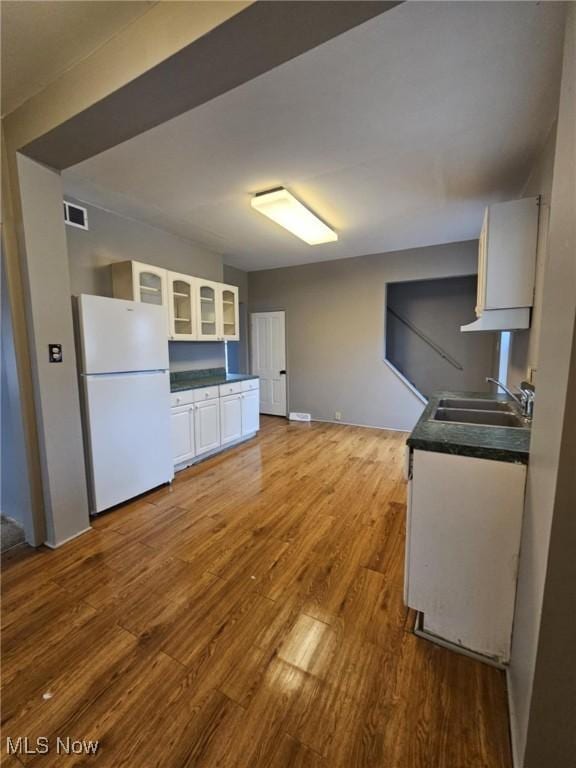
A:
(129, 439)
(121, 336)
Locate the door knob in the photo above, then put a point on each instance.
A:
(283, 372)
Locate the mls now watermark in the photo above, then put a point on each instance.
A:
(62, 745)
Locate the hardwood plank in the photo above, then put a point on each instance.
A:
(249, 616)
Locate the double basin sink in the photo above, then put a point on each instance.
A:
(480, 412)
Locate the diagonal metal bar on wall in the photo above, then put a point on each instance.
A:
(436, 347)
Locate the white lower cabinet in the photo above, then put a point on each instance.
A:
(462, 548)
(207, 425)
(230, 418)
(208, 419)
(250, 411)
(182, 422)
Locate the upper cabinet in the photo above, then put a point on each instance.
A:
(182, 306)
(228, 297)
(197, 309)
(209, 325)
(139, 282)
(506, 266)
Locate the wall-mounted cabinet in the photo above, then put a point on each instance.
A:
(228, 298)
(134, 281)
(209, 324)
(182, 306)
(506, 266)
(197, 309)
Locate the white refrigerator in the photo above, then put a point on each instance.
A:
(126, 398)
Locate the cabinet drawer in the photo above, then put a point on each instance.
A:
(250, 384)
(206, 393)
(182, 398)
(230, 389)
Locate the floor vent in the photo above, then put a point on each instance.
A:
(295, 416)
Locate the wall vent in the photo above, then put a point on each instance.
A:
(75, 215)
(295, 416)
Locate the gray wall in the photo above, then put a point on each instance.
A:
(14, 485)
(542, 697)
(238, 356)
(113, 238)
(335, 330)
(438, 308)
(56, 387)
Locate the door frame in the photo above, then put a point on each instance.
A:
(250, 355)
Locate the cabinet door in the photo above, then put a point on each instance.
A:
(230, 418)
(149, 284)
(207, 425)
(464, 541)
(482, 266)
(228, 296)
(512, 237)
(182, 423)
(209, 324)
(250, 411)
(181, 306)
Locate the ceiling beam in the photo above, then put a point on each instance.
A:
(250, 43)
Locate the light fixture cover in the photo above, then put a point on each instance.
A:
(283, 208)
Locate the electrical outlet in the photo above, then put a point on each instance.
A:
(55, 353)
(337, 415)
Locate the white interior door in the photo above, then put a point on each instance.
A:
(268, 349)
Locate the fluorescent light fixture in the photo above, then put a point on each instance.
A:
(283, 208)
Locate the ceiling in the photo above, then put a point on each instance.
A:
(41, 40)
(397, 133)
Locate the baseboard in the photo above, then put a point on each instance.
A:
(50, 545)
(365, 426)
(512, 724)
(210, 454)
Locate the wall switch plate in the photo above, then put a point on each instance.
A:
(55, 353)
(338, 415)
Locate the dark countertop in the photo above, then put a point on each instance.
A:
(210, 377)
(483, 442)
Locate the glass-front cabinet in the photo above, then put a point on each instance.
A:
(208, 311)
(228, 296)
(182, 306)
(139, 282)
(196, 309)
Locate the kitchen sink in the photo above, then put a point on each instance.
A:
(476, 404)
(480, 417)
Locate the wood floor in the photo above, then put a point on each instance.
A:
(249, 616)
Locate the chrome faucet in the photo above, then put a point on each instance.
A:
(525, 398)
